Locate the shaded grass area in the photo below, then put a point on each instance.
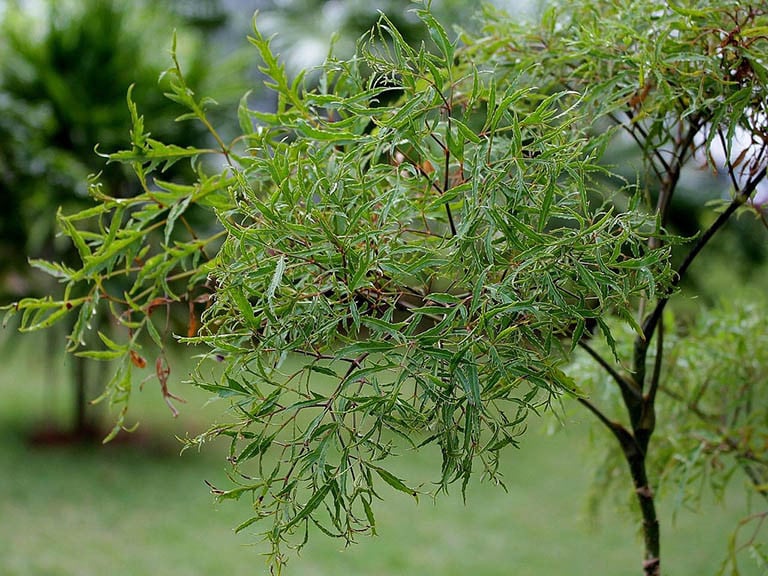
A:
(139, 508)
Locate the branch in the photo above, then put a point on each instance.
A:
(758, 482)
(628, 388)
(635, 459)
(729, 164)
(653, 319)
(647, 421)
(668, 186)
(692, 406)
(633, 129)
(674, 170)
(610, 424)
(446, 177)
(656, 376)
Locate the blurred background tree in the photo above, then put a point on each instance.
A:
(66, 69)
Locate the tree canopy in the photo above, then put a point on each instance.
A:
(412, 250)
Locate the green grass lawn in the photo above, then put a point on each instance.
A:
(141, 509)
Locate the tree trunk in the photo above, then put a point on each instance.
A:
(82, 428)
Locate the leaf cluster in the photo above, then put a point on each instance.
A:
(435, 260)
(388, 272)
(652, 66)
(685, 84)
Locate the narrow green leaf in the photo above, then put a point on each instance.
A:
(323, 370)
(311, 505)
(466, 131)
(371, 347)
(55, 269)
(99, 354)
(267, 405)
(470, 383)
(395, 482)
(369, 514)
(177, 210)
(256, 448)
(243, 115)
(277, 277)
(243, 525)
(243, 306)
(74, 234)
(439, 36)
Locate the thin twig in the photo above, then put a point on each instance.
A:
(656, 375)
(693, 407)
(625, 385)
(674, 171)
(728, 163)
(610, 424)
(633, 129)
(653, 319)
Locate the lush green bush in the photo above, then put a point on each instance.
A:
(421, 269)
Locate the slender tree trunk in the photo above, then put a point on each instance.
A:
(81, 424)
(634, 451)
(645, 497)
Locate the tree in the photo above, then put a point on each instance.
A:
(61, 94)
(431, 269)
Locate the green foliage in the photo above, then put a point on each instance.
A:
(62, 93)
(413, 246)
(299, 28)
(712, 426)
(715, 368)
(426, 267)
(678, 80)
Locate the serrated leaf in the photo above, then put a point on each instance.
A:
(75, 234)
(177, 210)
(256, 448)
(277, 277)
(470, 382)
(323, 370)
(55, 269)
(466, 131)
(370, 347)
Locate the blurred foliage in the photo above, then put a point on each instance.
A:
(305, 29)
(66, 69)
(712, 426)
